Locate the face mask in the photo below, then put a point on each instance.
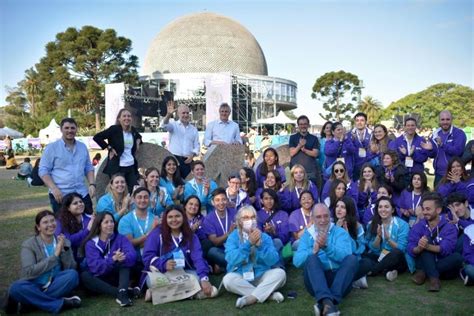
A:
(248, 225)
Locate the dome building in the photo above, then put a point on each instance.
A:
(205, 59)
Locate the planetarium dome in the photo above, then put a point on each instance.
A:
(204, 43)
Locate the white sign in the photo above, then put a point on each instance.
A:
(114, 101)
(218, 91)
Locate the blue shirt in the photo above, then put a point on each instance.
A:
(66, 168)
(45, 277)
(222, 131)
(131, 224)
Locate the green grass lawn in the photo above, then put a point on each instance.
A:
(401, 297)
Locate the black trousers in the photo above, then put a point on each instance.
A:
(395, 260)
(109, 284)
(131, 177)
(184, 169)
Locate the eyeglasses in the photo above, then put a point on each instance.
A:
(339, 170)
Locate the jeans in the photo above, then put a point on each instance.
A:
(216, 255)
(51, 300)
(330, 284)
(109, 284)
(88, 209)
(446, 268)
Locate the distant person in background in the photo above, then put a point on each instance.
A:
(34, 178)
(96, 159)
(63, 166)
(25, 169)
(8, 143)
(122, 141)
(326, 134)
(11, 161)
(468, 156)
(222, 131)
(3, 160)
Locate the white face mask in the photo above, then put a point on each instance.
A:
(248, 225)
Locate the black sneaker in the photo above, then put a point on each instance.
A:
(134, 293)
(10, 306)
(71, 302)
(122, 298)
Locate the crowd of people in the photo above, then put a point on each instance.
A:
(355, 204)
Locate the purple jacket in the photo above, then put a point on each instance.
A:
(154, 254)
(468, 247)
(452, 145)
(76, 238)
(200, 231)
(470, 191)
(449, 187)
(419, 155)
(295, 199)
(352, 190)
(279, 220)
(241, 200)
(444, 235)
(363, 143)
(364, 199)
(407, 201)
(99, 254)
(261, 178)
(368, 215)
(283, 197)
(334, 150)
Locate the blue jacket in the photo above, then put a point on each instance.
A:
(238, 254)
(338, 246)
(398, 233)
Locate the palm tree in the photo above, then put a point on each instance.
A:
(30, 86)
(371, 107)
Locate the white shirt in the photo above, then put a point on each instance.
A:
(126, 159)
(184, 139)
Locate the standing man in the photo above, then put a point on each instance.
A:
(447, 142)
(361, 135)
(184, 137)
(304, 148)
(63, 166)
(408, 147)
(222, 131)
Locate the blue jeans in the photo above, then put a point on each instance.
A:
(330, 284)
(446, 268)
(216, 255)
(51, 300)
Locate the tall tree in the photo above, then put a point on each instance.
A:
(428, 103)
(332, 88)
(372, 108)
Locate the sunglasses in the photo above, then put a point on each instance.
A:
(339, 170)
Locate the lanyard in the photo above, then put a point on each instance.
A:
(220, 222)
(199, 192)
(298, 192)
(237, 197)
(46, 249)
(409, 143)
(363, 137)
(415, 205)
(138, 223)
(176, 243)
(389, 229)
(304, 218)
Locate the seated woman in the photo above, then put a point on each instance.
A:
(116, 200)
(174, 246)
(378, 145)
(339, 148)
(250, 255)
(456, 178)
(337, 191)
(11, 161)
(110, 256)
(270, 162)
(298, 183)
(159, 197)
(170, 178)
(409, 202)
(394, 174)
(383, 190)
(200, 186)
(218, 225)
(48, 272)
(192, 209)
(300, 218)
(235, 196)
(273, 181)
(248, 183)
(25, 169)
(367, 187)
(339, 172)
(272, 220)
(387, 239)
(35, 179)
(73, 223)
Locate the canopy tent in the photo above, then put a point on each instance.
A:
(281, 118)
(7, 131)
(50, 133)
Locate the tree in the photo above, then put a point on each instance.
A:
(371, 107)
(458, 99)
(331, 88)
(73, 74)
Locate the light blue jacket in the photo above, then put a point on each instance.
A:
(338, 246)
(398, 233)
(358, 247)
(237, 254)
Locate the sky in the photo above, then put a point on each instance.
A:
(395, 47)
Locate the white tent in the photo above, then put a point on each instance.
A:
(50, 133)
(7, 131)
(281, 118)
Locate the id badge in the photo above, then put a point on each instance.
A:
(248, 274)
(362, 153)
(178, 257)
(412, 221)
(383, 254)
(341, 159)
(409, 162)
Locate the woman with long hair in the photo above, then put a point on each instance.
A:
(248, 183)
(174, 246)
(116, 200)
(340, 148)
(110, 256)
(170, 178)
(48, 269)
(456, 178)
(410, 199)
(192, 208)
(337, 191)
(339, 171)
(300, 219)
(394, 174)
(270, 162)
(72, 222)
(382, 190)
(379, 142)
(298, 183)
(273, 181)
(367, 187)
(159, 197)
(326, 134)
(122, 141)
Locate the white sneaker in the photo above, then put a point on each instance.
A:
(201, 296)
(391, 275)
(241, 302)
(361, 283)
(317, 311)
(277, 297)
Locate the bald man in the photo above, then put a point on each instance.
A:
(184, 137)
(447, 142)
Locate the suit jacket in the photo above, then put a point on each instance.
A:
(114, 137)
